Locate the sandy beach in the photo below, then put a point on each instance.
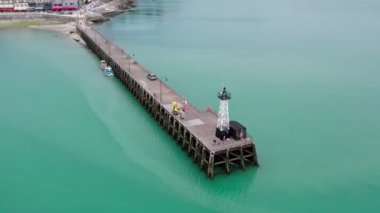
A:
(68, 29)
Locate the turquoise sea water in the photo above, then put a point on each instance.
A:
(304, 79)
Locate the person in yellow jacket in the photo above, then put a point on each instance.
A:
(175, 108)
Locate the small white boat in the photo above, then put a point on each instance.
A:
(108, 71)
(103, 64)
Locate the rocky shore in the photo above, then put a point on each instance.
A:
(109, 8)
(68, 29)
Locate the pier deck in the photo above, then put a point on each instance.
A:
(195, 133)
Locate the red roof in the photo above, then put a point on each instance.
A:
(58, 8)
(6, 8)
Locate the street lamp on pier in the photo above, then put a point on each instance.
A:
(129, 61)
(95, 34)
(77, 19)
(166, 80)
(109, 48)
(109, 44)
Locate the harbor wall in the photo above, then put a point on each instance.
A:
(27, 16)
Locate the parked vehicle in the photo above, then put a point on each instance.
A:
(151, 76)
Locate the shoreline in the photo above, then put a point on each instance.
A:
(63, 23)
(68, 29)
(21, 23)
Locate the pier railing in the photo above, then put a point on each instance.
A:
(162, 81)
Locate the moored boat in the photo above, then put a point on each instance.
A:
(108, 71)
(103, 64)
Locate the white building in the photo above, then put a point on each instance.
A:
(65, 3)
(20, 5)
(32, 5)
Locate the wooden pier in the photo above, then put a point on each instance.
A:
(195, 134)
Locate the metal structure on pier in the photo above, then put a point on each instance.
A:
(223, 122)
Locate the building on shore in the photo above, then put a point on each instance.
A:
(37, 5)
(21, 6)
(59, 5)
(6, 6)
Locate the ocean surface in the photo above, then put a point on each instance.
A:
(304, 77)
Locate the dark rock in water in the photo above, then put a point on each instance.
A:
(97, 18)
